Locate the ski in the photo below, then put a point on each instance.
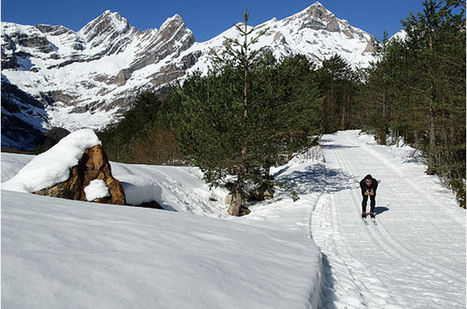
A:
(366, 221)
(374, 221)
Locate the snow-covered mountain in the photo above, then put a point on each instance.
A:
(314, 32)
(55, 77)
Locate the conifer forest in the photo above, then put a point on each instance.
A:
(253, 111)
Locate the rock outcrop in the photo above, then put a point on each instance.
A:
(235, 202)
(93, 165)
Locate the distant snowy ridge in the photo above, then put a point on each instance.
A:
(55, 77)
(314, 32)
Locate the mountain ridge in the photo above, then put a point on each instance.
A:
(90, 78)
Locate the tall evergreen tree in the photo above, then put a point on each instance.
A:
(436, 40)
(241, 56)
(241, 118)
(375, 89)
(338, 86)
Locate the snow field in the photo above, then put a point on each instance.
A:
(60, 253)
(76, 254)
(91, 255)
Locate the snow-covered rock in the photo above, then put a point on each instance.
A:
(53, 166)
(76, 168)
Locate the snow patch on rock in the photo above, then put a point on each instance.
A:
(96, 189)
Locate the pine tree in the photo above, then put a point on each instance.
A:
(242, 118)
(375, 89)
(338, 86)
(239, 55)
(436, 39)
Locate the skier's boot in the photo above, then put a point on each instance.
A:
(363, 214)
(372, 215)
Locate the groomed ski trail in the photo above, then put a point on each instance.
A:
(414, 258)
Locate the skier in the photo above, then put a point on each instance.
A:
(368, 186)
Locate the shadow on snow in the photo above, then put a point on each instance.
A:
(316, 178)
(380, 209)
(328, 144)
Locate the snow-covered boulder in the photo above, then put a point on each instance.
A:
(67, 170)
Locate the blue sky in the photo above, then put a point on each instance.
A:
(206, 18)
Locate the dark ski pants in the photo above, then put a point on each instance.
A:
(372, 202)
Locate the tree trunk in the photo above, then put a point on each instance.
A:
(242, 172)
(385, 120)
(432, 129)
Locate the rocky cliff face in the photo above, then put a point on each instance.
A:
(55, 77)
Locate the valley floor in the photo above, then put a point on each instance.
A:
(415, 257)
(59, 252)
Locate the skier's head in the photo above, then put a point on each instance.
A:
(368, 179)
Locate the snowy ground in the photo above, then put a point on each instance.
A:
(415, 257)
(60, 253)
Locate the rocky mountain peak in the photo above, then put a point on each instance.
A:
(107, 27)
(174, 21)
(169, 41)
(318, 11)
(172, 26)
(107, 20)
(317, 17)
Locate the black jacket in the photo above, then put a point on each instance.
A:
(364, 186)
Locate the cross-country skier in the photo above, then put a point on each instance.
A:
(368, 186)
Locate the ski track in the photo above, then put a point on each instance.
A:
(413, 258)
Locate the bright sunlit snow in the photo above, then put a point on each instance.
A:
(96, 189)
(314, 253)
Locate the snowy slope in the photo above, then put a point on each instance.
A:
(79, 255)
(59, 252)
